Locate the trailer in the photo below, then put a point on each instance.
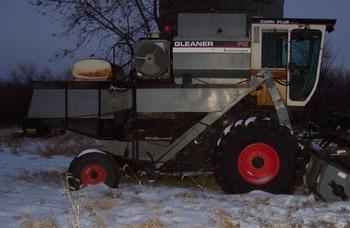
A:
(186, 90)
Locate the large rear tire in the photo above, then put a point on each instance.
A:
(93, 169)
(258, 156)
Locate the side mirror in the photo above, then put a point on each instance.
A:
(92, 70)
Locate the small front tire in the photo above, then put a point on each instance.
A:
(93, 169)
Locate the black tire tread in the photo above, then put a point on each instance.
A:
(107, 161)
(266, 131)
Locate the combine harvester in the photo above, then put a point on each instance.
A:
(187, 89)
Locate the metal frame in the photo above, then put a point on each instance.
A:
(213, 114)
(62, 91)
(211, 118)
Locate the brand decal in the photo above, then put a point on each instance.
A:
(211, 44)
(194, 44)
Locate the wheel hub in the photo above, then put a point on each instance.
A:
(258, 163)
(93, 174)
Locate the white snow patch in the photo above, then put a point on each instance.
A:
(228, 129)
(218, 143)
(89, 151)
(238, 123)
(250, 120)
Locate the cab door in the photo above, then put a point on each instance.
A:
(292, 52)
(304, 65)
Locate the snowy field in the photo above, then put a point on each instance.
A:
(32, 195)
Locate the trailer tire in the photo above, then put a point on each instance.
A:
(93, 169)
(259, 156)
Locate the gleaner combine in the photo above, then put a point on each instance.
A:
(187, 89)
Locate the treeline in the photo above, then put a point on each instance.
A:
(24, 74)
(16, 90)
(332, 95)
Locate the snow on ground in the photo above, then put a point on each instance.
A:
(33, 195)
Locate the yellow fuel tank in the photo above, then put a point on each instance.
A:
(92, 70)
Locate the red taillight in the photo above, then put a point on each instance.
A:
(168, 29)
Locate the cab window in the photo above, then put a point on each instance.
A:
(304, 62)
(274, 49)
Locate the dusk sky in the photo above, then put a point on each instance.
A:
(26, 36)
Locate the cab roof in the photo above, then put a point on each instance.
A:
(330, 23)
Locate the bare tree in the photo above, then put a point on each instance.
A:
(25, 73)
(332, 89)
(328, 59)
(113, 23)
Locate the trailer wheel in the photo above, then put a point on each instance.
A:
(260, 156)
(93, 169)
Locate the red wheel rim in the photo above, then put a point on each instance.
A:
(93, 174)
(258, 163)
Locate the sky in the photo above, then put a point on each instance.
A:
(25, 35)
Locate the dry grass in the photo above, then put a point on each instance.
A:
(51, 150)
(80, 202)
(325, 224)
(30, 222)
(95, 208)
(104, 203)
(188, 195)
(286, 225)
(224, 220)
(74, 199)
(68, 144)
(152, 223)
(13, 143)
(98, 219)
(200, 182)
(51, 177)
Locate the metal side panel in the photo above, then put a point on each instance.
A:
(80, 103)
(212, 81)
(145, 149)
(327, 179)
(334, 184)
(83, 103)
(186, 100)
(117, 101)
(106, 103)
(86, 102)
(208, 24)
(208, 120)
(280, 106)
(212, 61)
(47, 103)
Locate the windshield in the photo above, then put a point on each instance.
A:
(304, 60)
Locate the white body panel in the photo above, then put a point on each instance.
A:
(256, 50)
